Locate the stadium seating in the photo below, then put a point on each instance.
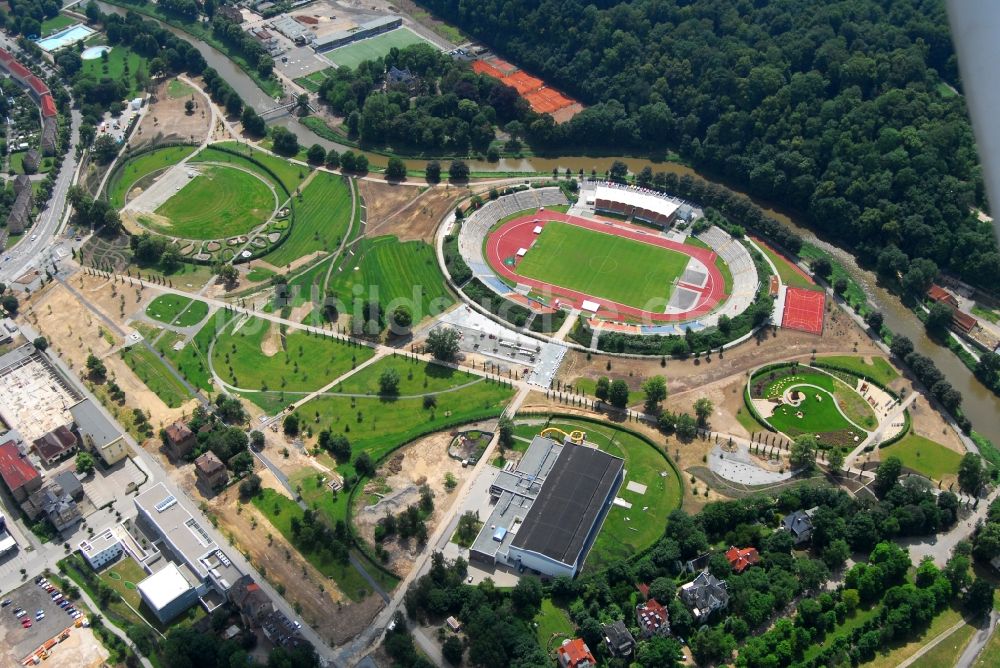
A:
(745, 280)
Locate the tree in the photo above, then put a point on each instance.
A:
(364, 465)
(821, 267)
(687, 427)
(711, 644)
(875, 319)
(401, 320)
(105, 149)
(618, 171)
(458, 171)
(835, 460)
(388, 382)
(836, 552)
(316, 155)
(505, 426)
(338, 445)
(361, 163)
(655, 388)
(9, 303)
(253, 124)
(395, 170)
(971, 474)
(284, 141)
(939, 318)
(703, 411)
(901, 346)
(332, 159)
(432, 171)
(979, 598)
(725, 324)
(803, 452)
(618, 394)
(662, 589)
(443, 343)
(452, 651)
(189, 107)
(84, 463)
(96, 369)
(527, 597)
(257, 440)
(41, 344)
(887, 474)
(290, 425)
(986, 544)
(603, 389)
(659, 651)
(229, 275)
(347, 160)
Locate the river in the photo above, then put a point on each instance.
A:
(980, 405)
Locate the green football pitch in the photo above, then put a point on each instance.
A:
(353, 55)
(604, 265)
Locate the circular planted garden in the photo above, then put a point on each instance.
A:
(837, 407)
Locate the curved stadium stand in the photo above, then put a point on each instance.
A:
(745, 280)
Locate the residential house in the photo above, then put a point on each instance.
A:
(704, 595)
(230, 13)
(53, 502)
(618, 639)
(400, 77)
(253, 604)
(31, 161)
(575, 654)
(56, 445)
(210, 471)
(938, 294)
(70, 484)
(19, 217)
(179, 439)
(653, 619)
(17, 472)
(98, 434)
(799, 525)
(742, 558)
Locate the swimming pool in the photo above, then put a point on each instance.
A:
(64, 37)
(94, 52)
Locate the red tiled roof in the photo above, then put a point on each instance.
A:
(18, 70)
(48, 106)
(939, 294)
(15, 469)
(742, 558)
(651, 616)
(574, 653)
(37, 85)
(963, 321)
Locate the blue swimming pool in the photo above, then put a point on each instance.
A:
(64, 37)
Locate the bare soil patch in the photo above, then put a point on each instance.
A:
(271, 345)
(404, 212)
(424, 461)
(166, 119)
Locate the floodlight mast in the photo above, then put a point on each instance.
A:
(975, 27)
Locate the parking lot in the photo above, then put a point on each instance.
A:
(18, 642)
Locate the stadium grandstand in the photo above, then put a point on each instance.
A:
(475, 228)
(641, 204)
(746, 283)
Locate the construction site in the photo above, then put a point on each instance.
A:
(34, 397)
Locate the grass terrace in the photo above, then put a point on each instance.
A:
(924, 456)
(177, 310)
(789, 274)
(416, 377)
(141, 166)
(153, 372)
(623, 270)
(289, 173)
(879, 369)
(322, 218)
(219, 202)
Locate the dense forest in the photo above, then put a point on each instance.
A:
(445, 107)
(840, 109)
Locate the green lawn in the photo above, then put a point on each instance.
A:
(925, 456)
(192, 360)
(280, 510)
(56, 23)
(985, 312)
(122, 65)
(945, 653)
(553, 625)
(177, 89)
(125, 570)
(135, 168)
(588, 386)
(415, 377)
(819, 414)
(604, 265)
(374, 47)
(900, 651)
(17, 163)
(259, 274)
(322, 217)
(378, 426)
(219, 202)
(394, 271)
(290, 174)
(789, 275)
(168, 308)
(879, 369)
(151, 371)
(622, 538)
(304, 362)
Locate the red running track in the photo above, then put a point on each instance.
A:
(505, 241)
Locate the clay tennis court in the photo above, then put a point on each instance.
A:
(541, 99)
(804, 310)
(504, 243)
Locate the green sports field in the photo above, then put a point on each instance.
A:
(353, 55)
(170, 309)
(604, 265)
(219, 202)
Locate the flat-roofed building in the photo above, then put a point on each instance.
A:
(102, 549)
(167, 593)
(163, 518)
(550, 508)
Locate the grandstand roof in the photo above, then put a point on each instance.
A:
(638, 198)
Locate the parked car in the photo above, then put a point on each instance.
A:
(26, 623)
(5, 603)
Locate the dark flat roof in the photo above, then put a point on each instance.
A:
(569, 503)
